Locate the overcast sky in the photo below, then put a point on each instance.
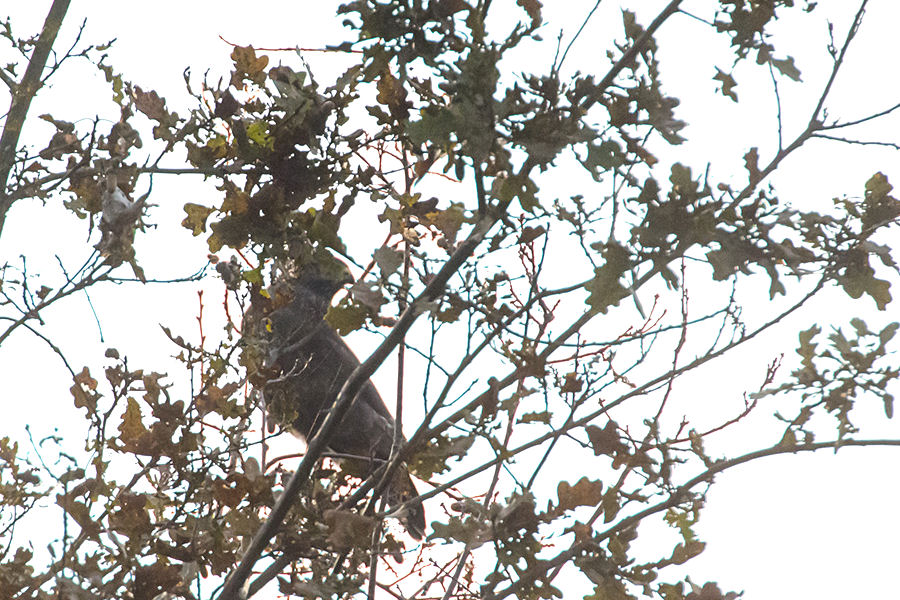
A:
(823, 526)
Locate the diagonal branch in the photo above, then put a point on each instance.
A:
(631, 53)
(839, 61)
(678, 497)
(22, 95)
(234, 587)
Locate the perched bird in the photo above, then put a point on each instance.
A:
(307, 364)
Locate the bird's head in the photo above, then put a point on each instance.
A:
(289, 309)
(322, 279)
(311, 293)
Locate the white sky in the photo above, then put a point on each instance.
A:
(822, 526)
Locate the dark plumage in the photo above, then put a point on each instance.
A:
(310, 362)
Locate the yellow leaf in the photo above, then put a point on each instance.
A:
(196, 218)
(132, 427)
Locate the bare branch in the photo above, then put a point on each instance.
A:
(837, 138)
(871, 117)
(839, 61)
(22, 96)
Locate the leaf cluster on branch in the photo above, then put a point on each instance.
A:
(552, 285)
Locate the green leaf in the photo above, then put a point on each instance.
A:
(324, 228)
(435, 126)
(508, 188)
(434, 457)
(196, 218)
(858, 282)
(448, 221)
(253, 276)
(258, 132)
(347, 317)
(604, 157)
(118, 85)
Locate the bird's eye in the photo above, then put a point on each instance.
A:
(268, 325)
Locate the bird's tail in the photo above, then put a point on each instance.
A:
(401, 490)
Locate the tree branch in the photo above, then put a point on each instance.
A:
(235, 584)
(839, 61)
(22, 95)
(678, 496)
(632, 52)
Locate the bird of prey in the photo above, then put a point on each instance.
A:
(308, 363)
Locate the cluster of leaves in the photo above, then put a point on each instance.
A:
(429, 100)
(20, 489)
(837, 377)
(181, 514)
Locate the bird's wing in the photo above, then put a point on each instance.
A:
(315, 362)
(315, 374)
(338, 348)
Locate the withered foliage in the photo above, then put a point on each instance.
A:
(570, 284)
